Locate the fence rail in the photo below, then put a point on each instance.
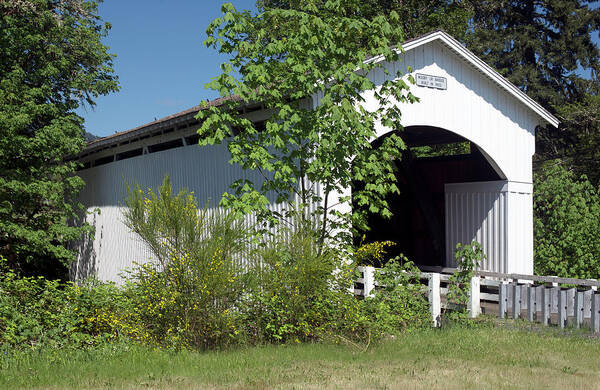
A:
(531, 297)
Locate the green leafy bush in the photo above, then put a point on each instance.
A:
(301, 291)
(35, 311)
(399, 302)
(29, 313)
(566, 224)
(189, 296)
(107, 312)
(197, 293)
(468, 258)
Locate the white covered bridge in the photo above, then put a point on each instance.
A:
(483, 192)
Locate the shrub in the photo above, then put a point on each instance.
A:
(468, 258)
(35, 311)
(301, 291)
(197, 294)
(567, 231)
(399, 302)
(188, 297)
(106, 312)
(372, 253)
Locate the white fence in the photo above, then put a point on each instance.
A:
(530, 297)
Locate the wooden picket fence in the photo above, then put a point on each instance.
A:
(549, 300)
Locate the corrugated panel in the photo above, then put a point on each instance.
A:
(205, 171)
(477, 216)
(496, 214)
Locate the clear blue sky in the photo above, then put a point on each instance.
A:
(161, 62)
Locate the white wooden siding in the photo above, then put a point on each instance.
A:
(472, 106)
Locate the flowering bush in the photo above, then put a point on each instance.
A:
(189, 296)
(37, 311)
(189, 304)
(197, 294)
(372, 253)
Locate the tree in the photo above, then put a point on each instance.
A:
(308, 65)
(416, 17)
(51, 61)
(538, 45)
(567, 233)
(545, 48)
(581, 120)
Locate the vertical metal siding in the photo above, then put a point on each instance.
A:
(205, 171)
(476, 214)
(496, 214)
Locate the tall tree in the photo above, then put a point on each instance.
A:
(581, 138)
(416, 17)
(283, 58)
(546, 48)
(51, 61)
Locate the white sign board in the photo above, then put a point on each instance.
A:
(425, 80)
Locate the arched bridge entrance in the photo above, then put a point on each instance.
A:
(434, 157)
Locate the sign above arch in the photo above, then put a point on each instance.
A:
(458, 92)
(477, 63)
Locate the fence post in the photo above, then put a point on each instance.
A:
(578, 308)
(474, 297)
(595, 320)
(434, 298)
(516, 307)
(562, 308)
(531, 307)
(571, 298)
(546, 305)
(368, 281)
(502, 298)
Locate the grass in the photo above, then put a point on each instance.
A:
(453, 357)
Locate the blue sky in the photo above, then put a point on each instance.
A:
(161, 62)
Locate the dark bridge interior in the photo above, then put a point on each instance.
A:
(433, 158)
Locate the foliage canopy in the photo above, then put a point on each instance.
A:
(416, 17)
(546, 49)
(567, 232)
(52, 61)
(308, 67)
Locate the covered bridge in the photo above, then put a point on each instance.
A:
(478, 186)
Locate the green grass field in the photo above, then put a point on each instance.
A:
(453, 358)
